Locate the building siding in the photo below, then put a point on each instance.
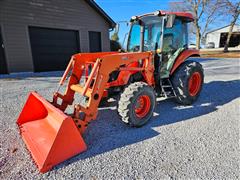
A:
(214, 36)
(16, 16)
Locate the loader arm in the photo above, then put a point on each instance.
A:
(96, 82)
(77, 65)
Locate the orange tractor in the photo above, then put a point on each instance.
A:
(154, 64)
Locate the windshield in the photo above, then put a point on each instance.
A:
(152, 32)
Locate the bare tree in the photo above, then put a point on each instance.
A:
(205, 12)
(115, 37)
(234, 10)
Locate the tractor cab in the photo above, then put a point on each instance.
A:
(160, 32)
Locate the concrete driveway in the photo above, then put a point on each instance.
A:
(198, 141)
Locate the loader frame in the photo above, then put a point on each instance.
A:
(97, 80)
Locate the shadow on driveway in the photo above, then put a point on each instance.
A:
(108, 132)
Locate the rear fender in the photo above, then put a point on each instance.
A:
(182, 57)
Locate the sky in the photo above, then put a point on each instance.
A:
(123, 10)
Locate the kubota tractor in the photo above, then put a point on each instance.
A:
(154, 64)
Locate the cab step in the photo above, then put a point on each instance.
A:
(167, 88)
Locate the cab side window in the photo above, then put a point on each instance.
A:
(175, 37)
(168, 42)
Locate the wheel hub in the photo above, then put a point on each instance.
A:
(142, 106)
(194, 83)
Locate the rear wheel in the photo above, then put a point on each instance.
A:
(187, 82)
(136, 104)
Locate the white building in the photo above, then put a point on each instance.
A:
(219, 37)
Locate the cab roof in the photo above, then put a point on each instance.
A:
(185, 16)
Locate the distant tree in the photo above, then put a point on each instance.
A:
(115, 45)
(233, 9)
(205, 12)
(114, 42)
(115, 37)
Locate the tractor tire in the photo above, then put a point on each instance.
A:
(187, 82)
(136, 104)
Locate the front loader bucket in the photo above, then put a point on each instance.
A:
(50, 135)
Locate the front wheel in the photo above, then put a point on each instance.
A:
(187, 82)
(136, 104)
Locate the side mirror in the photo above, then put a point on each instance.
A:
(170, 20)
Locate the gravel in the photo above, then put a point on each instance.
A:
(198, 141)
